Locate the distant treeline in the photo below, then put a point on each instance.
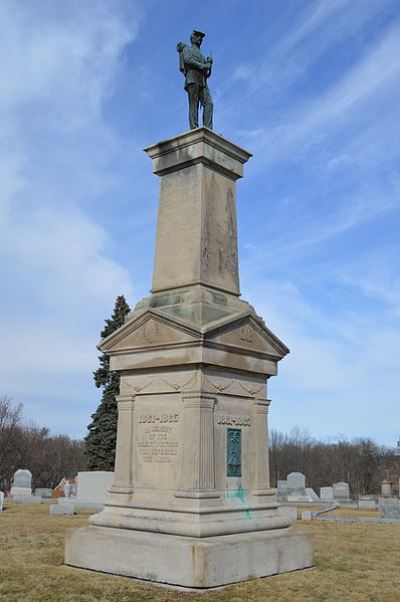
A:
(360, 462)
(25, 445)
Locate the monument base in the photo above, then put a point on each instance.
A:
(186, 561)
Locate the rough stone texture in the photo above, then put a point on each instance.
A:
(198, 197)
(1, 500)
(192, 471)
(341, 492)
(22, 482)
(326, 494)
(186, 561)
(61, 509)
(93, 486)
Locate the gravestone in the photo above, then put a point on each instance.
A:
(386, 489)
(326, 494)
(27, 499)
(43, 492)
(93, 486)
(282, 489)
(366, 502)
(61, 509)
(296, 481)
(191, 497)
(1, 500)
(341, 492)
(296, 489)
(389, 508)
(22, 483)
(311, 495)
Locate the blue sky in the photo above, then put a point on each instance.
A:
(310, 87)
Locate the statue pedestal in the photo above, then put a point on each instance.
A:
(191, 503)
(186, 561)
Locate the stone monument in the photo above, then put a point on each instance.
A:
(22, 482)
(341, 492)
(191, 503)
(386, 488)
(326, 494)
(92, 487)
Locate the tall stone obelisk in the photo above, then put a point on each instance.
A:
(191, 504)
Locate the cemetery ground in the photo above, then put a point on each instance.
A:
(353, 561)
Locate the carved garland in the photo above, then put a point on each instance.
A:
(218, 386)
(173, 385)
(250, 390)
(223, 386)
(138, 388)
(179, 386)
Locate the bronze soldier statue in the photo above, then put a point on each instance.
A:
(196, 70)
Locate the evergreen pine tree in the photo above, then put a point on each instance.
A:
(100, 442)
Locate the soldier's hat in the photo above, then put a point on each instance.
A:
(198, 33)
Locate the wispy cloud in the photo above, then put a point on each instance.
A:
(340, 366)
(56, 70)
(373, 79)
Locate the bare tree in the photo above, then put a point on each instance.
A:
(26, 445)
(360, 462)
(10, 435)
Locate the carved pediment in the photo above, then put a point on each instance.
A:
(248, 334)
(147, 331)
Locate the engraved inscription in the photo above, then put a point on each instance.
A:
(234, 420)
(160, 418)
(158, 443)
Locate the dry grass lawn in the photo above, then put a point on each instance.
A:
(353, 562)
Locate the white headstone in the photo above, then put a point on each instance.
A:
(22, 482)
(366, 502)
(1, 500)
(296, 488)
(389, 507)
(27, 499)
(61, 509)
(93, 485)
(341, 491)
(326, 494)
(312, 496)
(296, 481)
(386, 489)
(282, 489)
